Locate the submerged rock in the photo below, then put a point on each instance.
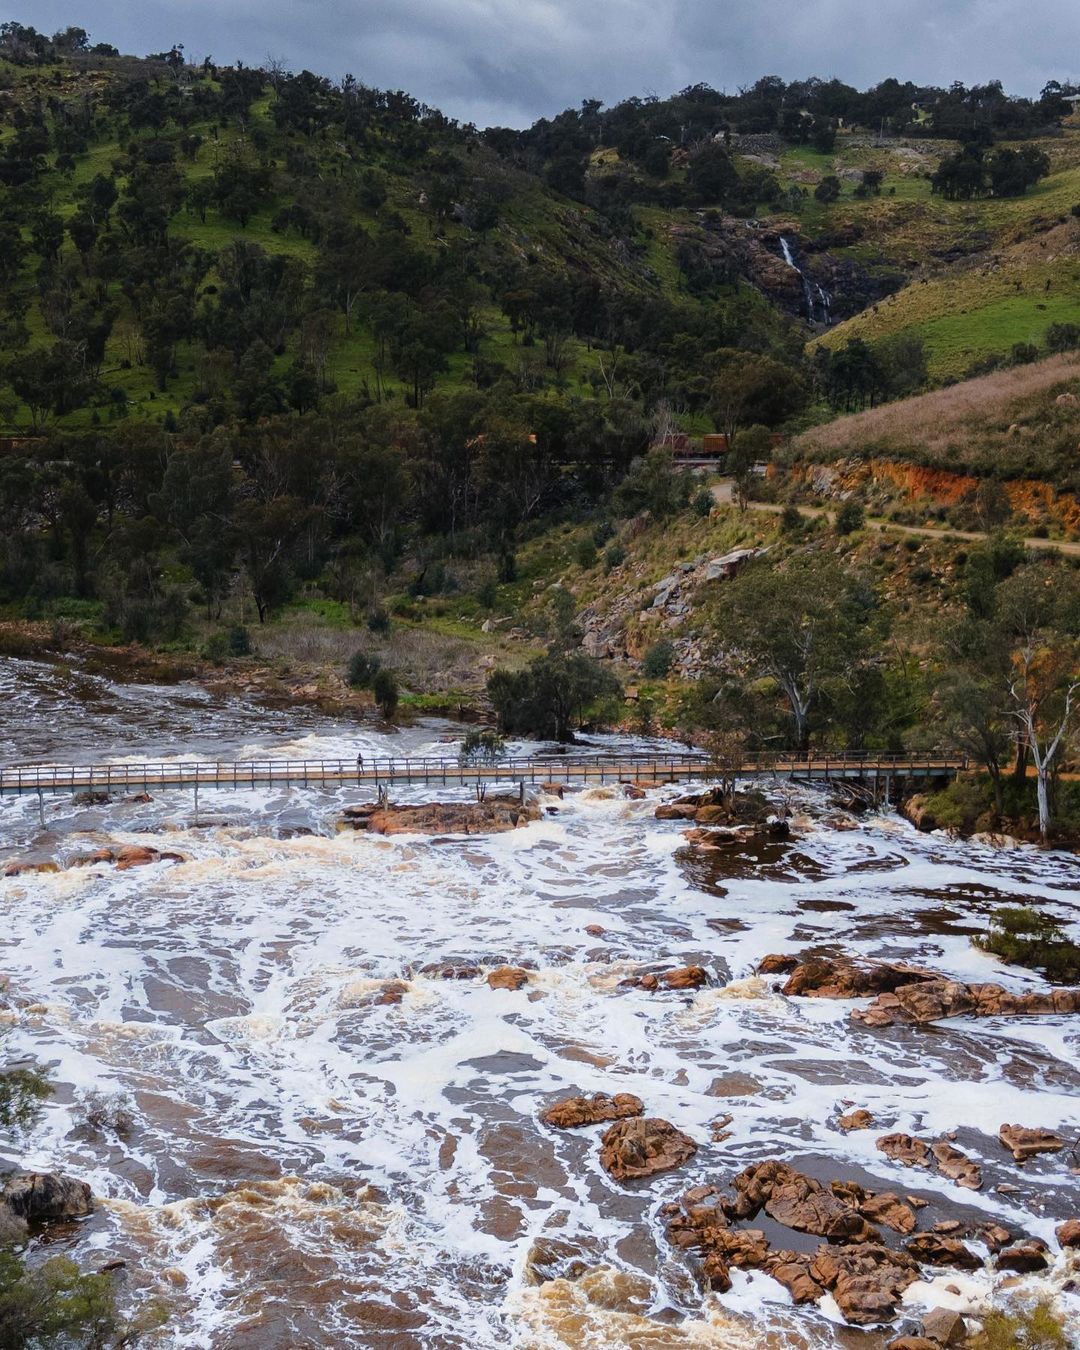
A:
(492, 816)
(575, 1111)
(1025, 1143)
(633, 1149)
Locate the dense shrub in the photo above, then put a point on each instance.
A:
(362, 669)
(850, 517)
(657, 661)
(1025, 937)
(549, 698)
(385, 688)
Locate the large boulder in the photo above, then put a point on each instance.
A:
(1025, 1258)
(945, 1326)
(574, 1111)
(40, 1197)
(642, 1147)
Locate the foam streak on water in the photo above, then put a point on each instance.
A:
(309, 1166)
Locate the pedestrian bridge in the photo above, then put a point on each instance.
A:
(648, 770)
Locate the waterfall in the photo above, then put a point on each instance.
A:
(818, 301)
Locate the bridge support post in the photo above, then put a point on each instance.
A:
(41, 807)
(196, 803)
(521, 792)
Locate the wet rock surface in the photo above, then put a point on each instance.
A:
(508, 977)
(939, 999)
(633, 1149)
(574, 1111)
(1024, 1143)
(843, 977)
(42, 1197)
(867, 1281)
(492, 816)
(949, 1161)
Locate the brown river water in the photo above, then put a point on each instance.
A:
(302, 1165)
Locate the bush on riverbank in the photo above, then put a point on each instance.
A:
(1024, 937)
(967, 806)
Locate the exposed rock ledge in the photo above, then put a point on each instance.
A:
(908, 993)
(492, 816)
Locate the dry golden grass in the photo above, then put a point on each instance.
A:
(1007, 423)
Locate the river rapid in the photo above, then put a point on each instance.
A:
(298, 1164)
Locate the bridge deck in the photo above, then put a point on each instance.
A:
(377, 773)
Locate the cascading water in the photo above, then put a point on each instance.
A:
(330, 1147)
(818, 301)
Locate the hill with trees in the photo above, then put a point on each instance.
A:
(305, 368)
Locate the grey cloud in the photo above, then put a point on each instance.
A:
(511, 61)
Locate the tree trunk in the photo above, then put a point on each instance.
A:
(1044, 802)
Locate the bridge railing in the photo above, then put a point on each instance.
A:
(387, 768)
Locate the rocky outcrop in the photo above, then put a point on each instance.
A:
(492, 816)
(41, 1197)
(508, 977)
(885, 1207)
(938, 1250)
(867, 1281)
(798, 1202)
(698, 1222)
(950, 1161)
(843, 977)
(904, 1148)
(122, 856)
(1024, 1143)
(916, 810)
(956, 1166)
(574, 1111)
(938, 999)
(633, 1149)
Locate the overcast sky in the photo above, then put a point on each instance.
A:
(511, 61)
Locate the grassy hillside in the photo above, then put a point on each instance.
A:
(984, 275)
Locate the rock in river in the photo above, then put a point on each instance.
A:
(41, 1196)
(492, 816)
(574, 1111)
(867, 1281)
(633, 1149)
(1024, 1143)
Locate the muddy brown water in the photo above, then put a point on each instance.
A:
(307, 1166)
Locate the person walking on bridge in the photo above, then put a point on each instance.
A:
(359, 761)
